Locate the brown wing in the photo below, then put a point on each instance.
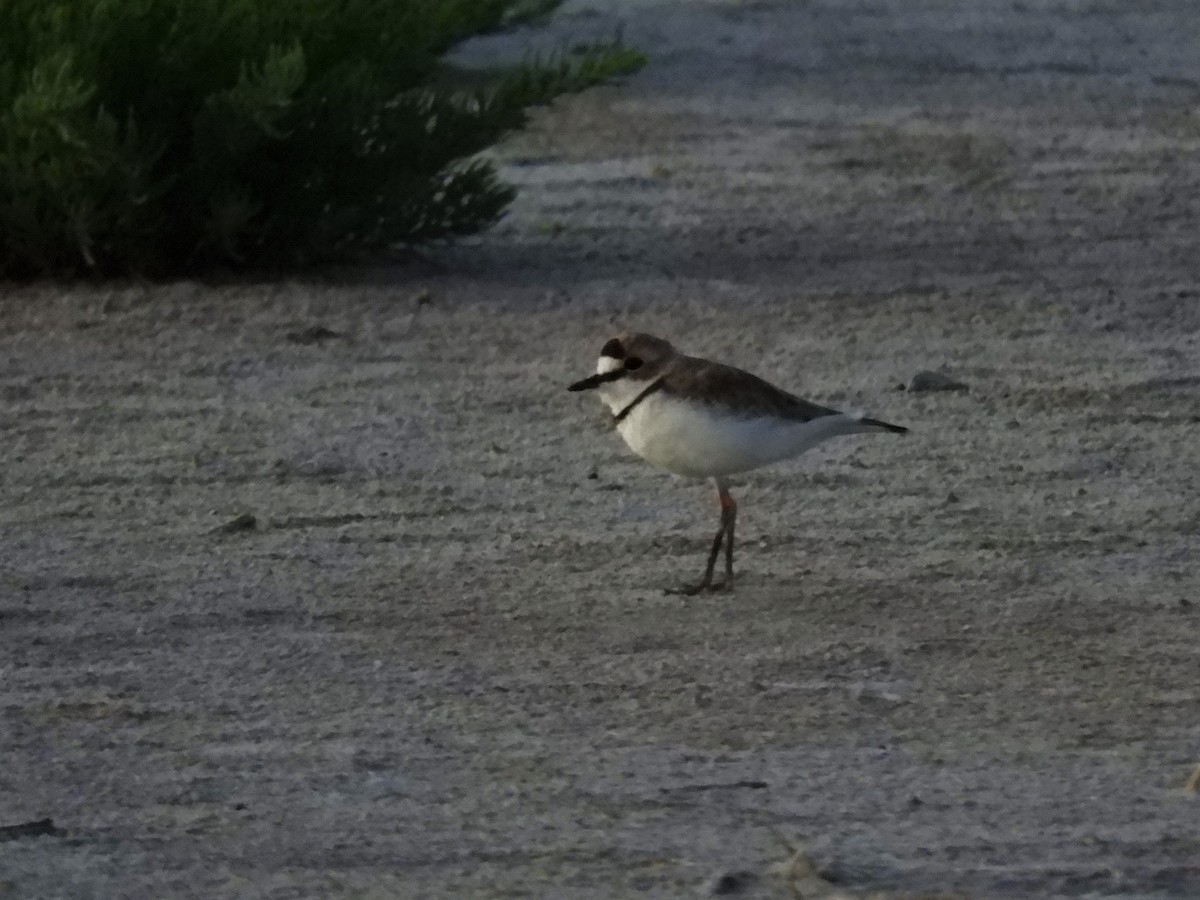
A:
(740, 392)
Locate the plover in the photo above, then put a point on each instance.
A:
(703, 419)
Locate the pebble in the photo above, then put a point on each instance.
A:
(729, 883)
(934, 381)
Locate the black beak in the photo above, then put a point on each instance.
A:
(594, 381)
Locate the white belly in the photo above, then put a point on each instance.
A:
(701, 441)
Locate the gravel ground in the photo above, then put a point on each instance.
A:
(439, 661)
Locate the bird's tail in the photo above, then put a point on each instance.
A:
(802, 436)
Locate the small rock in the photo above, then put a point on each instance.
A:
(728, 883)
(934, 381)
(313, 334)
(42, 827)
(244, 522)
(952, 497)
(323, 464)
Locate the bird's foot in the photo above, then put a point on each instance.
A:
(707, 586)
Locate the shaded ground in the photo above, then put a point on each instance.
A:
(442, 666)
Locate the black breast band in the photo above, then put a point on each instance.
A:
(646, 392)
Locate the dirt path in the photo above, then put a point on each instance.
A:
(441, 664)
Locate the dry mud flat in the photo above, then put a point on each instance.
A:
(440, 663)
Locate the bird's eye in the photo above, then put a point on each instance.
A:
(633, 363)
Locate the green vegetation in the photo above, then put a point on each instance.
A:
(160, 136)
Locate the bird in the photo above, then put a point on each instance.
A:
(703, 419)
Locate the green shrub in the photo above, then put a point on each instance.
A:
(166, 135)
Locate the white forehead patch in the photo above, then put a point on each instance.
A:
(607, 364)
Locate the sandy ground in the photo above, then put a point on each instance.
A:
(442, 663)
